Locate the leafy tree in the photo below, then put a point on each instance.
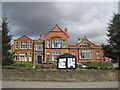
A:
(7, 56)
(112, 49)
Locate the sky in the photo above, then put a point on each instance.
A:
(81, 19)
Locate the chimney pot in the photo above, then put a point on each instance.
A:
(65, 30)
(40, 34)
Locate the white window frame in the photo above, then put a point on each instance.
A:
(85, 54)
(23, 57)
(16, 46)
(55, 54)
(30, 46)
(56, 43)
(39, 47)
(63, 43)
(97, 54)
(24, 45)
(48, 43)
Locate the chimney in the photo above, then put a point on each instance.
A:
(40, 34)
(65, 30)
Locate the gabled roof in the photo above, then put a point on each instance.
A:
(24, 37)
(57, 29)
(85, 39)
(66, 55)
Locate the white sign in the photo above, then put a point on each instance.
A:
(71, 62)
(62, 63)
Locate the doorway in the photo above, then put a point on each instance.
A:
(39, 59)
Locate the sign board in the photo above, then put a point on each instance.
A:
(62, 63)
(66, 61)
(71, 62)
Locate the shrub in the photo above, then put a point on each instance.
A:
(99, 65)
(106, 65)
(22, 64)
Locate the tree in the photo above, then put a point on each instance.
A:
(7, 56)
(112, 49)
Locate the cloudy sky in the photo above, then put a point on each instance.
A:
(80, 18)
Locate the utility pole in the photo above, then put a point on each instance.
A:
(99, 32)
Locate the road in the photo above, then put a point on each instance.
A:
(38, 84)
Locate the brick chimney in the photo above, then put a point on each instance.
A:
(40, 34)
(65, 30)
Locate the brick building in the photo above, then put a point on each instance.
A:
(53, 44)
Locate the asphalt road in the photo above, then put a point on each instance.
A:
(38, 84)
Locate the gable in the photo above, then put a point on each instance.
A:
(56, 31)
(86, 42)
(24, 38)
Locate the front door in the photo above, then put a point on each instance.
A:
(39, 59)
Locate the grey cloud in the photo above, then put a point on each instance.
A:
(31, 18)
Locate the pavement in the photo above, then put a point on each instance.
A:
(38, 84)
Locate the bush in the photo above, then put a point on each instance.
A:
(22, 64)
(98, 65)
(106, 65)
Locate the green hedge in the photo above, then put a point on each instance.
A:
(20, 64)
(99, 65)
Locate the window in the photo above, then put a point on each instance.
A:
(55, 55)
(16, 42)
(97, 55)
(63, 43)
(39, 46)
(30, 45)
(16, 45)
(73, 52)
(85, 54)
(23, 45)
(23, 57)
(48, 44)
(30, 56)
(55, 43)
(48, 56)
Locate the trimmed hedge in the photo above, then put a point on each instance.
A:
(98, 65)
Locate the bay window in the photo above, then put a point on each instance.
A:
(85, 54)
(23, 56)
